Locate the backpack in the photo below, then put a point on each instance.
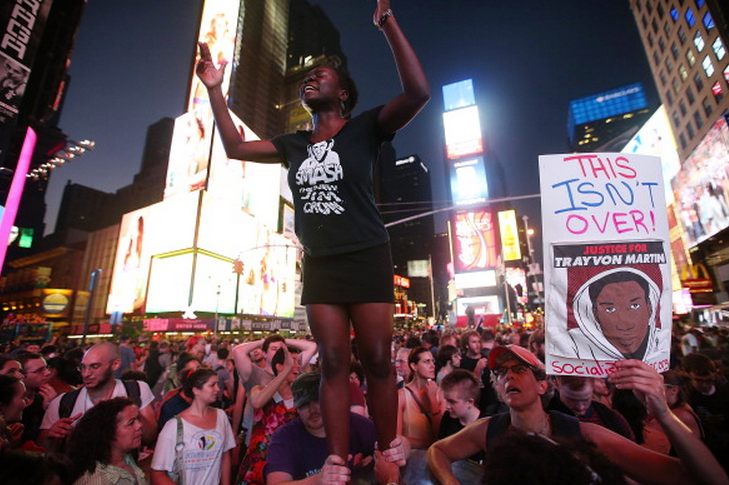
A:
(68, 400)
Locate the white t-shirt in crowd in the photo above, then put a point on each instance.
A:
(83, 402)
(203, 451)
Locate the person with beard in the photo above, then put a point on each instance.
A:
(97, 371)
(38, 392)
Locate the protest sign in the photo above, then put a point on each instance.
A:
(607, 262)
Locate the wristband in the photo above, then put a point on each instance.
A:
(383, 18)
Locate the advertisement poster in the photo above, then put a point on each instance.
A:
(607, 268)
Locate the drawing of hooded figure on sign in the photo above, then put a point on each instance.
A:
(616, 314)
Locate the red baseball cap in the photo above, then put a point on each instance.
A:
(520, 353)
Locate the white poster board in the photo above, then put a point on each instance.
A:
(606, 257)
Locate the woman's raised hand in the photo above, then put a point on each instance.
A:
(209, 75)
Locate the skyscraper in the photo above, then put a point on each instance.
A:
(686, 46)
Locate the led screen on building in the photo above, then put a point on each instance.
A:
(478, 279)
(701, 188)
(462, 132)
(481, 306)
(656, 138)
(156, 229)
(458, 95)
(509, 236)
(469, 184)
(474, 241)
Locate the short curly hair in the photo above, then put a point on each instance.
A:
(95, 432)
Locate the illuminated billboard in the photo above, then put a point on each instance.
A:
(511, 249)
(474, 241)
(159, 228)
(265, 287)
(478, 279)
(481, 306)
(516, 277)
(656, 138)
(469, 184)
(462, 132)
(458, 95)
(606, 104)
(701, 188)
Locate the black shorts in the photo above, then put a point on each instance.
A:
(364, 276)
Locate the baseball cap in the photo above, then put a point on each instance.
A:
(306, 388)
(520, 353)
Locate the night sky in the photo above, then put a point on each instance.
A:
(528, 59)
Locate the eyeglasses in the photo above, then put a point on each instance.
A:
(516, 369)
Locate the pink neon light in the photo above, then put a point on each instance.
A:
(16, 192)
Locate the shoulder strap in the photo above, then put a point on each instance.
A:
(68, 400)
(420, 406)
(133, 392)
(564, 425)
(498, 424)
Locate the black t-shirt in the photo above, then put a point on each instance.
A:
(331, 183)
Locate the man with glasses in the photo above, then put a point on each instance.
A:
(38, 392)
(521, 382)
(97, 371)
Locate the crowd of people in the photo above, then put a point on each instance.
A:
(473, 407)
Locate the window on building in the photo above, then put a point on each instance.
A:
(656, 57)
(683, 141)
(676, 120)
(700, 3)
(644, 21)
(726, 74)
(690, 57)
(669, 98)
(717, 91)
(676, 86)
(708, 22)
(649, 6)
(708, 108)
(708, 66)
(674, 51)
(661, 10)
(690, 130)
(662, 76)
(682, 72)
(674, 14)
(667, 28)
(698, 82)
(698, 120)
(718, 47)
(661, 45)
(689, 16)
(681, 35)
(699, 41)
(690, 95)
(650, 39)
(654, 24)
(682, 108)
(669, 65)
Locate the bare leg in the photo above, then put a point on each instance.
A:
(373, 330)
(330, 327)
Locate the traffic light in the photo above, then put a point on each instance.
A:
(238, 267)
